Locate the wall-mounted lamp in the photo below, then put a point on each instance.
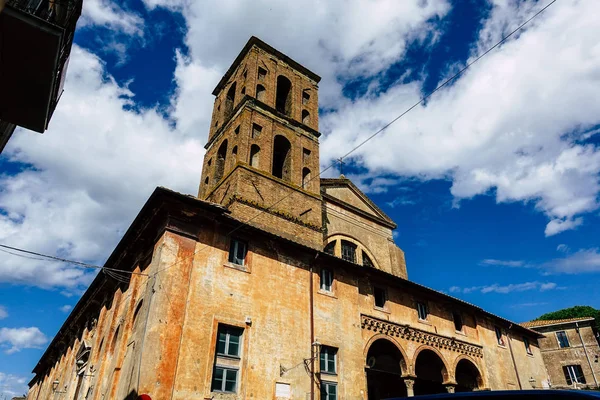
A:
(532, 382)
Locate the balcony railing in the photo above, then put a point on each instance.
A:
(63, 13)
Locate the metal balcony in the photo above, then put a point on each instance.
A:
(35, 43)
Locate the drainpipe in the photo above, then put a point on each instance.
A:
(586, 353)
(513, 357)
(312, 328)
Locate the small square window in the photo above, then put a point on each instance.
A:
(237, 252)
(225, 380)
(574, 374)
(458, 322)
(328, 358)
(499, 336)
(326, 279)
(328, 391)
(527, 346)
(256, 130)
(563, 340)
(380, 296)
(422, 311)
(228, 341)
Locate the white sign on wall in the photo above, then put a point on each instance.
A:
(283, 390)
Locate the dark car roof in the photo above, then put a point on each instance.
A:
(516, 394)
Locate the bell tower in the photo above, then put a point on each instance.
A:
(263, 145)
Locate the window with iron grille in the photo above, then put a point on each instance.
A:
(328, 359)
(348, 251)
(366, 260)
(330, 248)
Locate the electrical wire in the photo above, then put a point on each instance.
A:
(446, 82)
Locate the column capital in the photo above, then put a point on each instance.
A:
(450, 387)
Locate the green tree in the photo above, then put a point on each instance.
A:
(573, 312)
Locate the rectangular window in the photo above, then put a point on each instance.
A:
(328, 360)
(574, 374)
(458, 323)
(422, 311)
(237, 130)
(237, 252)
(326, 279)
(256, 130)
(305, 156)
(380, 296)
(262, 73)
(563, 340)
(328, 391)
(527, 346)
(225, 380)
(499, 336)
(228, 341)
(348, 251)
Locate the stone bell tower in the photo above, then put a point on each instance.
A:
(263, 147)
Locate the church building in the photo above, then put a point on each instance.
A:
(272, 283)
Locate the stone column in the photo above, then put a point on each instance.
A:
(450, 387)
(409, 382)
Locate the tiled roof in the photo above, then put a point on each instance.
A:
(535, 324)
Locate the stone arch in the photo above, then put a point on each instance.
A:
(283, 97)
(385, 368)
(230, 101)
(254, 155)
(220, 164)
(404, 362)
(467, 374)
(431, 371)
(359, 246)
(282, 158)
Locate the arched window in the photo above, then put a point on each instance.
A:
(113, 344)
(244, 90)
(305, 96)
(260, 92)
(330, 248)
(254, 155)
(230, 101)
(234, 154)
(206, 180)
(282, 158)
(283, 102)
(305, 177)
(220, 164)
(305, 117)
(136, 313)
(366, 261)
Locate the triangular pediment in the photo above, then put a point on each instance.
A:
(344, 192)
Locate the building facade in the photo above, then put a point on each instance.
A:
(272, 283)
(570, 350)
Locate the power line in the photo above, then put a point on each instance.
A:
(64, 260)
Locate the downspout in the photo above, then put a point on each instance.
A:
(513, 357)
(312, 328)
(586, 353)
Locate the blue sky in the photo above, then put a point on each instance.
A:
(493, 183)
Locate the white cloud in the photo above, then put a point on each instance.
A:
(503, 263)
(15, 339)
(582, 261)
(497, 130)
(504, 289)
(563, 248)
(3, 312)
(12, 385)
(93, 170)
(110, 15)
(66, 308)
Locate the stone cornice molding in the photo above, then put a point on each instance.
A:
(431, 339)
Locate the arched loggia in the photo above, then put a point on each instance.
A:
(384, 371)
(468, 377)
(431, 373)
